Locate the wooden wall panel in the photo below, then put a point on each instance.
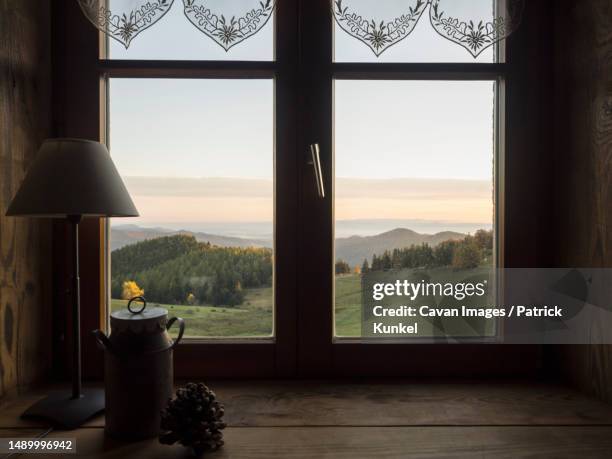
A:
(25, 302)
(582, 162)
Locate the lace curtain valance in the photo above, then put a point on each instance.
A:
(379, 24)
(227, 22)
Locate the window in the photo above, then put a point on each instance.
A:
(206, 144)
(234, 235)
(398, 117)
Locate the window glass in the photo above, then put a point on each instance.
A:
(414, 190)
(197, 158)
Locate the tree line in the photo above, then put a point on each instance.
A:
(467, 253)
(180, 270)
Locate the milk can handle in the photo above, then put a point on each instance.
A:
(181, 330)
(103, 341)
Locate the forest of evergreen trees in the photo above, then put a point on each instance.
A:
(181, 270)
(468, 253)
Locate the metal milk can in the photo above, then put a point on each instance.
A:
(138, 369)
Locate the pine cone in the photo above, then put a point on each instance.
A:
(194, 419)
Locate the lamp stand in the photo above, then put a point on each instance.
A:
(63, 409)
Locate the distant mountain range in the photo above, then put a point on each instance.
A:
(352, 249)
(130, 234)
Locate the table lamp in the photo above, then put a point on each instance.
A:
(72, 179)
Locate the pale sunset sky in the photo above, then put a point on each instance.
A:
(203, 150)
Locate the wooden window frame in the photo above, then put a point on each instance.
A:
(80, 80)
(303, 344)
(258, 357)
(321, 354)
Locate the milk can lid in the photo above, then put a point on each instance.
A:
(149, 313)
(135, 317)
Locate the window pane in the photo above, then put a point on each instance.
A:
(414, 190)
(175, 38)
(197, 158)
(423, 44)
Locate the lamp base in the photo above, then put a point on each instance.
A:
(65, 412)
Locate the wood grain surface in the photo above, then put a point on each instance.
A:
(581, 160)
(24, 243)
(320, 404)
(388, 420)
(406, 404)
(363, 442)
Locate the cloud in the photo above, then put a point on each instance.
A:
(402, 188)
(175, 199)
(199, 187)
(408, 188)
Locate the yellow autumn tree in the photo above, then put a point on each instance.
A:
(131, 290)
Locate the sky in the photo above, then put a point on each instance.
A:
(203, 150)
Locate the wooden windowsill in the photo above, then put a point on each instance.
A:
(386, 419)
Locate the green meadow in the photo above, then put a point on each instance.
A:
(253, 318)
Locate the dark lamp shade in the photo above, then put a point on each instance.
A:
(72, 177)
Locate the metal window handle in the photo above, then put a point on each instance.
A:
(315, 161)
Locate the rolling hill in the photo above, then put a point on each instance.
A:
(180, 270)
(352, 249)
(124, 235)
(355, 249)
